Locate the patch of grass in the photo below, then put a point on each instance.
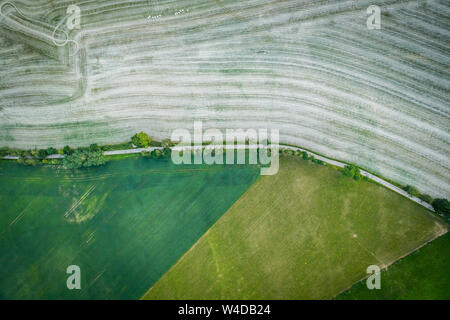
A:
(123, 156)
(119, 146)
(124, 224)
(305, 233)
(421, 275)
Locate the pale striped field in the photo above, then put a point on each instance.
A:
(312, 69)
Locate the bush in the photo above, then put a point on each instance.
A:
(84, 158)
(94, 147)
(156, 153)
(141, 139)
(25, 153)
(166, 143)
(427, 198)
(412, 191)
(31, 162)
(68, 150)
(352, 171)
(318, 161)
(15, 152)
(154, 143)
(442, 206)
(51, 151)
(42, 153)
(167, 152)
(4, 151)
(35, 153)
(304, 155)
(289, 151)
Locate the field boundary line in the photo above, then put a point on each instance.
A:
(333, 162)
(439, 234)
(207, 231)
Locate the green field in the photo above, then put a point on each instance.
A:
(124, 224)
(305, 233)
(421, 275)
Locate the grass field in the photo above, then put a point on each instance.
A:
(306, 233)
(124, 224)
(421, 275)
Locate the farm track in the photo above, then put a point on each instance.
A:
(376, 98)
(327, 160)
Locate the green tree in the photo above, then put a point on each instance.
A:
(442, 206)
(94, 147)
(42, 153)
(51, 151)
(352, 171)
(84, 158)
(141, 139)
(156, 153)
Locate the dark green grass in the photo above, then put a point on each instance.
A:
(421, 275)
(137, 217)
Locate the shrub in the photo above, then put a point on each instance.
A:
(289, 151)
(352, 171)
(427, 198)
(51, 151)
(15, 152)
(25, 153)
(167, 151)
(42, 153)
(94, 147)
(35, 153)
(67, 150)
(317, 161)
(442, 206)
(166, 143)
(412, 191)
(31, 162)
(156, 153)
(304, 155)
(154, 143)
(4, 151)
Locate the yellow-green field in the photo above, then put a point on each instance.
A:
(421, 275)
(305, 233)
